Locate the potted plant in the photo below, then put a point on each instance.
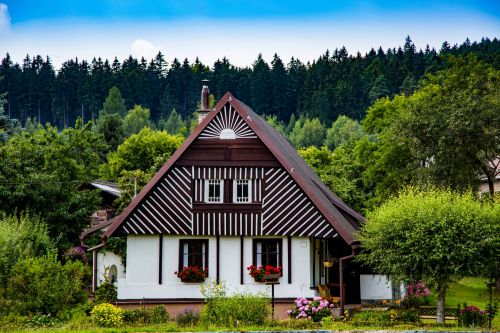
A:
(192, 274)
(264, 274)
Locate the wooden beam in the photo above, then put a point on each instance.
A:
(289, 247)
(94, 270)
(241, 260)
(160, 260)
(217, 266)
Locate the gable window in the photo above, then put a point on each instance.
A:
(193, 252)
(214, 190)
(242, 190)
(267, 252)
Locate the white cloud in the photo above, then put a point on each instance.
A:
(144, 48)
(4, 18)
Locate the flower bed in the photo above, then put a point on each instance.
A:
(316, 309)
(261, 274)
(192, 274)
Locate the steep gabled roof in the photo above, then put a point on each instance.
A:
(343, 218)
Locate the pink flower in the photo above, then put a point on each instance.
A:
(331, 306)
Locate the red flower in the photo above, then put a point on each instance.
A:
(192, 274)
(258, 272)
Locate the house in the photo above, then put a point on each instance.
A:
(236, 193)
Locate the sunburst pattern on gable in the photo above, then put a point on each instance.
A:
(227, 124)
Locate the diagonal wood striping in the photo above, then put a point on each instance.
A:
(166, 209)
(288, 211)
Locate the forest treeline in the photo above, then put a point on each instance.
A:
(337, 83)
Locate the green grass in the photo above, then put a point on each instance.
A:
(472, 291)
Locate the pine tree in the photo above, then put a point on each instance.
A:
(114, 103)
(379, 89)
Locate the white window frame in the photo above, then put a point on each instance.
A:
(209, 182)
(235, 191)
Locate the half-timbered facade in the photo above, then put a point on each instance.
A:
(236, 193)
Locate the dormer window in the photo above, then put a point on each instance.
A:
(214, 190)
(242, 190)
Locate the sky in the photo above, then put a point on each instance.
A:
(236, 29)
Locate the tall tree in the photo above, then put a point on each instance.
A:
(137, 119)
(114, 103)
(434, 236)
(41, 172)
(454, 121)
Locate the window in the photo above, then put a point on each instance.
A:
(193, 252)
(214, 190)
(267, 252)
(242, 190)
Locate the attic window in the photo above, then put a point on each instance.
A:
(227, 133)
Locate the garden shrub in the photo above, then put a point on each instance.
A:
(143, 315)
(43, 285)
(417, 294)
(243, 308)
(106, 293)
(188, 317)
(385, 317)
(75, 253)
(316, 309)
(20, 238)
(472, 316)
(371, 317)
(407, 316)
(107, 315)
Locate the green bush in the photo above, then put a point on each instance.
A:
(385, 317)
(242, 308)
(20, 238)
(107, 315)
(407, 316)
(143, 315)
(188, 317)
(44, 286)
(106, 293)
(371, 317)
(472, 316)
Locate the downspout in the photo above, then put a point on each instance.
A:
(355, 248)
(94, 263)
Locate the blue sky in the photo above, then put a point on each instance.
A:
(238, 30)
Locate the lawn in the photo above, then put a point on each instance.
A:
(472, 291)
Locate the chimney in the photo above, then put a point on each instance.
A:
(205, 102)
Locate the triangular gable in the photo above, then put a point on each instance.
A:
(231, 113)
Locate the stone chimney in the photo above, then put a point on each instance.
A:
(205, 102)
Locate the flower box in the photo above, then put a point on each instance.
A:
(267, 274)
(193, 274)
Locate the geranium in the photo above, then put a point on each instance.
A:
(192, 274)
(258, 272)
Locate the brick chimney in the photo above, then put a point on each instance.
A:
(205, 102)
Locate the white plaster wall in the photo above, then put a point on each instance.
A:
(142, 258)
(375, 287)
(141, 280)
(106, 259)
